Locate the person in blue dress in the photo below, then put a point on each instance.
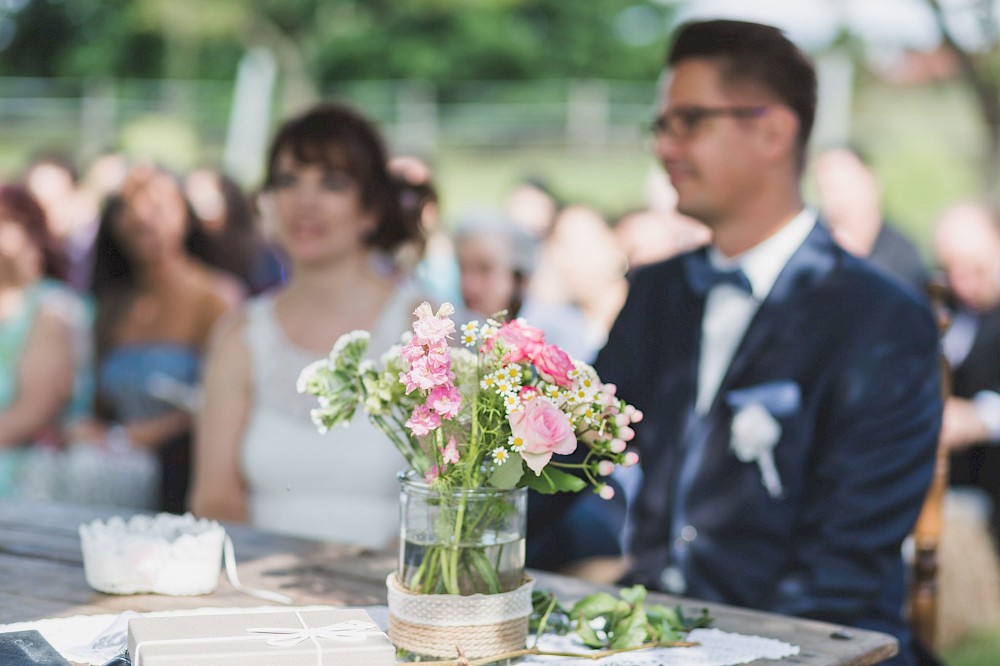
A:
(155, 307)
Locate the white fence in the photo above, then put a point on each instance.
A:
(84, 117)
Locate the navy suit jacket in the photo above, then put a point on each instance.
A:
(855, 455)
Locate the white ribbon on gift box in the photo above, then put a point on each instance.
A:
(349, 630)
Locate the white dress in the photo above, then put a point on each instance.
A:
(341, 486)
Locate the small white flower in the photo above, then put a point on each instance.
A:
(754, 435)
(307, 375)
(515, 442)
(512, 402)
(348, 339)
(500, 455)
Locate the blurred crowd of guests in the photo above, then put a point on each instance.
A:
(141, 310)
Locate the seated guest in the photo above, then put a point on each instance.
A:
(791, 390)
(155, 307)
(228, 237)
(259, 458)
(850, 201)
(496, 259)
(582, 264)
(45, 379)
(967, 245)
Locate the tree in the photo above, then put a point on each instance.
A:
(981, 67)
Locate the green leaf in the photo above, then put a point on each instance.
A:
(553, 481)
(594, 605)
(587, 634)
(700, 621)
(630, 631)
(664, 615)
(507, 475)
(634, 595)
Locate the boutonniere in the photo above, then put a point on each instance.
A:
(756, 431)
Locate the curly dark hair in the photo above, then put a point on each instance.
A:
(337, 136)
(17, 204)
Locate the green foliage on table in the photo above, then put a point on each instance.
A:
(604, 621)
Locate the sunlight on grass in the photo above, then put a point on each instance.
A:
(613, 182)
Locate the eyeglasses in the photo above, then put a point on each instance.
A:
(683, 122)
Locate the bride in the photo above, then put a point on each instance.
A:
(258, 456)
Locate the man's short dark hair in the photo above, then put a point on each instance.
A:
(754, 54)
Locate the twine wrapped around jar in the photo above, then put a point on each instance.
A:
(436, 625)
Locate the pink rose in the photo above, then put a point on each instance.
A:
(520, 341)
(554, 365)
(545, 430)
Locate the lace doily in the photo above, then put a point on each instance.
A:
(717, 648)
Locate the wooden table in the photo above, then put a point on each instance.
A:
(41, 576)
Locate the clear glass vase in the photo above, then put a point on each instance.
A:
(461, 541)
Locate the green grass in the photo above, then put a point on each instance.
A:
(982, 649)
(611, 181)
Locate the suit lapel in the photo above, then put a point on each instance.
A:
(807, 267)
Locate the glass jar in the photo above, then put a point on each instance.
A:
(462, 541)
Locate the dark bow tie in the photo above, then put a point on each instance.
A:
(703, 276)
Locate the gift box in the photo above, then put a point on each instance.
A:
(345, 637)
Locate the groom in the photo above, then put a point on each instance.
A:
(791, 392)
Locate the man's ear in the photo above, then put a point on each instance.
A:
(779, 131)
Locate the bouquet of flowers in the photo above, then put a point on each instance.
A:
(503, 410)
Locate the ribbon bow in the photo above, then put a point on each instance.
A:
(703, 276)
(349, 630)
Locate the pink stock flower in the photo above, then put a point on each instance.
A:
(545, 430)
(411, 351)
(554, 365)
(449, 454)
(425, 375)
(445, 400)
(422, 421)
(431, 327)
(431, 474)
(438, 354)
(520, 341)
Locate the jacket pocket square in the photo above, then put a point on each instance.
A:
(781, 398)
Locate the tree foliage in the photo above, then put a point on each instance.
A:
(336, 40)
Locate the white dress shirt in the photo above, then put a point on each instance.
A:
(729, 310)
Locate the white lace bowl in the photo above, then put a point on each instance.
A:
(165, 554)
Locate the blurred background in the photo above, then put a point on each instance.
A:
(488, 91)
